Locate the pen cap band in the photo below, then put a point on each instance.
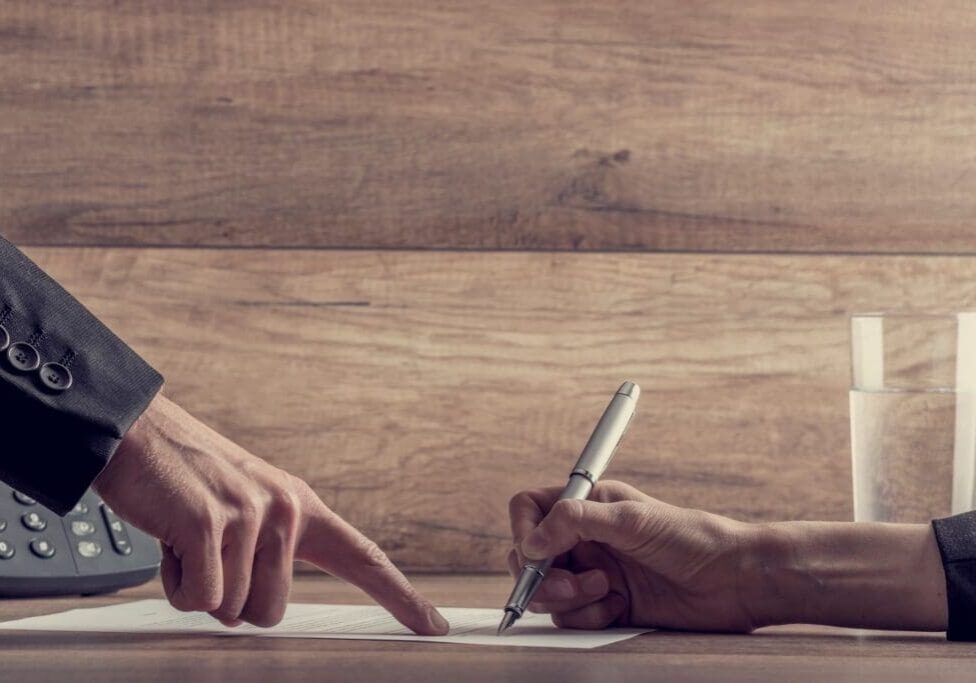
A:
(579, 486)
(526, 585)
(599, 450)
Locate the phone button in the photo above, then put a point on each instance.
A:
(116, 532)
(34, 521)
(42, 548)
(6, 550)
(82, 527)
(79, 509)
(89, 549)
(23, 499)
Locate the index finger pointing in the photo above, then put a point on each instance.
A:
(332, 544)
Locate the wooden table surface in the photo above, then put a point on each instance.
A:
(796, 653)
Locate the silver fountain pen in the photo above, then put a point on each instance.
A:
(593, 461)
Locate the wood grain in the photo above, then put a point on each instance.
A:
(669, 125)
(790, 653)
(418, 391)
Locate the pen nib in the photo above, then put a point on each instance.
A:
(507, 622)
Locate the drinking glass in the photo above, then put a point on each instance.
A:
(913, 415)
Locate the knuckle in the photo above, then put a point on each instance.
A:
(613, 491)
(301, 489)
(697, 522)
(247, 513)
(568, 511)
(699, 517)
(628, 510)
(607, 491)
(518, 502)
(630, 516)
(285, 510)
(209, 523)
(416, 604)
(372, 555)
(288, 503)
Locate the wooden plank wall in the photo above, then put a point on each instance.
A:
(380, 243)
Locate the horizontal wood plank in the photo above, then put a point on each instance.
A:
(418, 391)
(669, 125)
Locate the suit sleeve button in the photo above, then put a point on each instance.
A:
(23, 357)
(56, 377)
(4, 338)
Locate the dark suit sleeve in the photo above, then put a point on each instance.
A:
(69, 388)
(956, 537)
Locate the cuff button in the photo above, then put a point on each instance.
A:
(4, 338)
(56, 377)
(23, 357)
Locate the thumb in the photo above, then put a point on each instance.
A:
(569, 522)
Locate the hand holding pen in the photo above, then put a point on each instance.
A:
(593, 461)
(623, 558)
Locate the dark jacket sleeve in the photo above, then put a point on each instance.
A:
(69, 388)
(956, 537)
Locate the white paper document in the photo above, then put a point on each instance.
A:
(351, 622)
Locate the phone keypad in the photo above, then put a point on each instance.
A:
(82, 528)
(88, 550)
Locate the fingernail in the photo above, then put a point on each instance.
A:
(535, 543)
(438, 621)
(594, 584)
(562, 589)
